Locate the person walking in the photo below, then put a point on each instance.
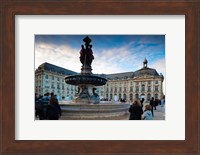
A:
(162, 102)
(53, 110)
(135, 111)
(152, 104)
(156, 101)
(141, 102)
(147, 113)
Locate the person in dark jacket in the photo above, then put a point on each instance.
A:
(141, 102)
(152, 104)
(135, 111)
(156, 103)
(41, 107)
(53, 110)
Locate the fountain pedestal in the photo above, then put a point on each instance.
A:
(86, 70)
(87, 95)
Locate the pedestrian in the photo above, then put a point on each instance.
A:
(38, 108)
(147, 113)
(162, 102)
(41, 106)
(152, 104)
(135, 111)
(53, 110)
(141, 102)
(155, 103)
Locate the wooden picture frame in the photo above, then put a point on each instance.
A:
(10, 8)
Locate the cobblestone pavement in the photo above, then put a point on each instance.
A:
(159, 113)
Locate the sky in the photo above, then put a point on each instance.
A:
(113, 53)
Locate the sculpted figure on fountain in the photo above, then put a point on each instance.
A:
(86, 54)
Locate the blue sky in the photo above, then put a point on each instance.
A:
(113, 53)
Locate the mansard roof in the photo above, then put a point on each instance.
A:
(53, 68)
(145, 71)
(116, 76)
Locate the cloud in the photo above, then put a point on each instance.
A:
(159, 65)
(63, 56)
(113, 60)
(107, 60)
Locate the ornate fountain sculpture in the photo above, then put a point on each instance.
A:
(85, 105)
(86, 81)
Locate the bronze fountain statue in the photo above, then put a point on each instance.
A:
(86, 54)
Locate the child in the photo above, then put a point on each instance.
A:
(147, 113)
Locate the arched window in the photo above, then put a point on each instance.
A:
(142, 96)
(136, 96)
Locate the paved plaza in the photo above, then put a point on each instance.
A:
(159, 113)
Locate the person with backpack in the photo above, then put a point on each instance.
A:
(41, 106)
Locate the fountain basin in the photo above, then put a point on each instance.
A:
(94, 111)
(85, 79)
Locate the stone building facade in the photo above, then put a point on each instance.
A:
(143, 83)
(50, 78)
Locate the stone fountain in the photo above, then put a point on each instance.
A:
(86, 104)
